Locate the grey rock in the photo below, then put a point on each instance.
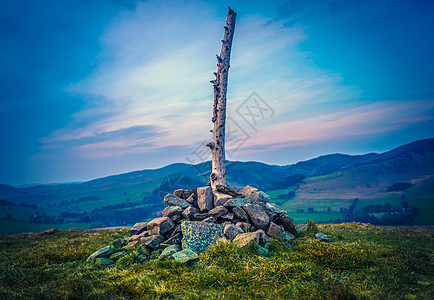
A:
(152, 241)
(323, 237)
(131, 245)
(160, 226)
(289, 236)
(119, 243)
(276, 231)
(117, 255)
(231, 231)
(218, 211)
(246, 227)
(174, 239)
(229, 216)
(220, 198)
(262, 236)
(177, 218)
(200, 217)
(168, 252)
(172, 200)
(102, 252)
(138, 236)
(210, 220)
(250, 239)
(257, 215)
(274, 208)
(240, 213)
(171, 211)
(273, 216)
(138, 228)
(259, 196)
(189, 212)
(184, 194)
(205, 198)
(237, 202)
(185, 255)
(192, 199)
(248, 190)
(286, 222)
(200, 236)
(227, 190)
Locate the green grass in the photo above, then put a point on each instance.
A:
(363, 262)
(318, 204)
(426, 210)
(317, 217)
(274, 194)
(322, 177)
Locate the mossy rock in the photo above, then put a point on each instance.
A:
(117, 255)
(200, 236)
(185, 255)
(103, 252)
(167, 252)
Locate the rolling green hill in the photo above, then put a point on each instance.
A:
(322, 189)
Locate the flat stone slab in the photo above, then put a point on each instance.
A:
(160, 226)
(168, 252)
(200, 236)
(171, 211)
(259, 196)
(185, 255)
(103, 252)
(323, 237)
(237, 202)
(250, 239)
(138, 228)
(172, 200)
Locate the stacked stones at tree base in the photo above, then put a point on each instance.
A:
(195, 220)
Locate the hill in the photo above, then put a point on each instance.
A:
(323, 189)
(368, 178)
(362, 262)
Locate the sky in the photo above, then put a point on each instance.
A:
(91, 88)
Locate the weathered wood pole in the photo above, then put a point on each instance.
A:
(217, 146)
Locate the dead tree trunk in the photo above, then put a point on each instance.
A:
(217, 146)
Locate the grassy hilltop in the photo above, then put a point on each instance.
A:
(363, 262)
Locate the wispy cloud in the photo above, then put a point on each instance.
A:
(159, 78)
(366, 120)
(151, 89)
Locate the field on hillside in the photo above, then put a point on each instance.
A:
(363, 262)
(323, 189)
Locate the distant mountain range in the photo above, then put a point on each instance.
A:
(323, 188)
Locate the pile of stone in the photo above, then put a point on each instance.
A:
(195, 220)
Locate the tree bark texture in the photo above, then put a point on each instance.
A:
(217, 146)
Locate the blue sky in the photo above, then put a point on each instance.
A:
(94, 88)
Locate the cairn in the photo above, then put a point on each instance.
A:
(194, 220)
